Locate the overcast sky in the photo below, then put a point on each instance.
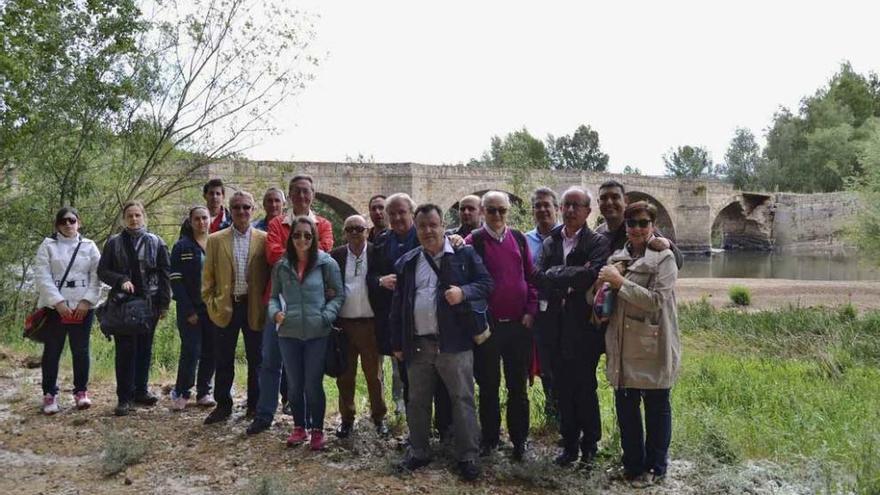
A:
(411, 81)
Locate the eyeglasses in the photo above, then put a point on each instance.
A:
(301, 235)
(242, 207)
(573, 205)
(496, 211)
(67, 221)
(355, 229)
(302, 191)
(640, 223)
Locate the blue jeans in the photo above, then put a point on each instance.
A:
(78, 334)
(304, 361)
(196, 349)
(271, 374)
(644, 450)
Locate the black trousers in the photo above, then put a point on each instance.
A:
(579, 419)
(442, 402)
(225, 342)
(134, 353)
(547, 343)
(57, 333)
(644, 450)
(510, 344)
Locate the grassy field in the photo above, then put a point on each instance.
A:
(797, 387)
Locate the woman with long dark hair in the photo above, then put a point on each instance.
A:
(135, 262)
(70, 304)
(304, 316)
(195, 328)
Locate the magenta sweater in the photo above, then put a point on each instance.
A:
(512, 297)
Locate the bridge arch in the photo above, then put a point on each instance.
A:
(739, 225)
(664, 221)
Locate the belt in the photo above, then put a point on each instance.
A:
(357, 320)
(432, 336)
(241, 298)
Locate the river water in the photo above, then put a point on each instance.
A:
(740, 264)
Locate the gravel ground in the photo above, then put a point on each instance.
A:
(778, 293)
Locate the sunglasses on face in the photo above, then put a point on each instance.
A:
(242, 207)
(355, 229)
(302, 235)
(67, 221)
(496, 211)
(640, 223)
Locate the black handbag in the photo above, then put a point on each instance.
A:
(336, 361)
(125, 314)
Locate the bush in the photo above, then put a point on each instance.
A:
(741, 296)
(120, 451)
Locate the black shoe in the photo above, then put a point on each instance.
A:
(251, 413)
(381, 428)
(486, 449)
(285, 409)
(258, 426)
(588, 459)
(122, 409)
(468, 470)
(519, 452)
(145, 399)
(218, 414)
(566, 458)
(412, 463)
(344, 430)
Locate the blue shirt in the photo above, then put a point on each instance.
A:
(535, 239)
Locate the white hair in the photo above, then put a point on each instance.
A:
(581, 190)
(401, 197)
(503, 196)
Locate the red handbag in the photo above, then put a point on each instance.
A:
(36, 323)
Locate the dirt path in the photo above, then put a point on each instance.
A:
(777, 293)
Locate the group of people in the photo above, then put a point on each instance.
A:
(452, 308)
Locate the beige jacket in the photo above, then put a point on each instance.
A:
(642, 343)
(218, 278)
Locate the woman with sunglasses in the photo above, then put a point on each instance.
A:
(304, 316)
(642, 345)
(193, 324)
(136, 262)
(70, 304)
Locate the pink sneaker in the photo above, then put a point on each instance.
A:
(297, 437)
(317, 440)
(82, 401)
(178, 402)
(50, 404)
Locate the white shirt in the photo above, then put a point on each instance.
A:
(498, 236)
(241, 244)
(568, 243)
(425, 306)
(357, 304)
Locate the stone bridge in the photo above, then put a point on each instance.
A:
(690, 211)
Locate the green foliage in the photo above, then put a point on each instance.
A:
(739, 295)
(742, 159)
(630, 170)
(688, 162)
(518, 150)
(580, 151)
(121, 450)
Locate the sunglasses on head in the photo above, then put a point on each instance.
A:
(640, 222)
(67, 221)
(493, 210)
(302, 235)
(355, 229)
(242, 207)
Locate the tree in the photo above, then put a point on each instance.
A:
(688, 162)
(742, 160)
(580, 151)
(518, 149)
(630, 170)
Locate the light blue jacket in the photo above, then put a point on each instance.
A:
(308, 314)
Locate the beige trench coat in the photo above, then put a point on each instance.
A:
(642, 343)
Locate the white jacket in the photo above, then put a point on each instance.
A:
(53, 255)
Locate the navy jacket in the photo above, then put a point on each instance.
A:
(186, 276)
(564, 281)
(457, 324)
(379, 265)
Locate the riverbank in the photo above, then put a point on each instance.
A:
(779, 293)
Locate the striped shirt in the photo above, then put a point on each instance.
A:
(241, 243)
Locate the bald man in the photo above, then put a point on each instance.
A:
(468, 216)
(356, 318)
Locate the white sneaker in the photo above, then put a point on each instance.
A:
(206, 401)
(82, 401)
(178, 402)
(50, 404)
